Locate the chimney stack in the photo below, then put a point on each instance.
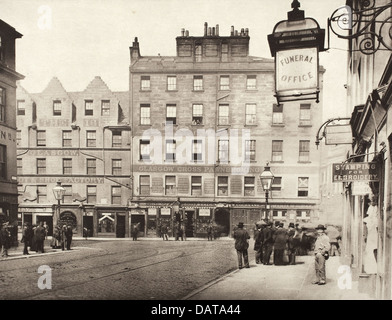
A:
(232, 31)
(213, 31)
(217, 29)
(205, 28)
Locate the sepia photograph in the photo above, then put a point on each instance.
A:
(194, 158)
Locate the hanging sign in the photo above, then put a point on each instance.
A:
(338, 134)
(355, 171)
(296, 71)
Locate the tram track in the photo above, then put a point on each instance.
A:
(126, 270)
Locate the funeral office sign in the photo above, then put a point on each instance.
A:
(297, 74)
(355, 171)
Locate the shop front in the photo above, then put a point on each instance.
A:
(110, 222)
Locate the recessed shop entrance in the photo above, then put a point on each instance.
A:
(222, 220)
(189, 223)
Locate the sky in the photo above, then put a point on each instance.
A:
(76, 40)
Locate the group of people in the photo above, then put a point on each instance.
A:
(276, 239)
(33, 237)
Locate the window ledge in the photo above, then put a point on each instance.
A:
(202, 90)
(251, 90)
(304, 125)
(277, 161)
(149, 90)
(250, 125)
(176, 90)
(277, 125)
(304, 161)
(144, 161)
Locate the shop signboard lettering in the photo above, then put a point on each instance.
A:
(165, 211)
(204, 212)
(355, 171)
(296, 70)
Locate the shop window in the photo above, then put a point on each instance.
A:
(41, 138)
(144, 185)
(91, 194)
(145, 84)
(196, 186)
(303, 187)
(249, 186)
(67, 166)
(223, 186)
(67, 138)
(116, 195)
(91, 167)
(105, 222)
(170, 185)
(18, 137)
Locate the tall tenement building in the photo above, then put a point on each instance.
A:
(82, 140)
(204, 124)
(8, 79)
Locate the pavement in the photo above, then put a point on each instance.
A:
(288, 282)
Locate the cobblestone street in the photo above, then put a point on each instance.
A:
(116, 270)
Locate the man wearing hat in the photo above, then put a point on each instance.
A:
(268, 243)
(292, 243)
(321, 248)
(241, 237)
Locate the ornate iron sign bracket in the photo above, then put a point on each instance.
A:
(366, 24)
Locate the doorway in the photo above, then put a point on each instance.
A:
(189, 224)
(120, 227)
(222, 220)
(88, 223)
(138, 219)
(48, 220)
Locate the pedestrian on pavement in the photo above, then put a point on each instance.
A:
(164, 233)
(56, 238)
(40, 235)
(280, 243)
(258, 238)
(210, 232)
(33, 243)
(69, 234)
(321, 251)
(63, 237)
(46, 227)
(135, 231)
(268, 243)
(180, 233)
(27, 235)
(5, 239)
(241, 237)
(293, 242)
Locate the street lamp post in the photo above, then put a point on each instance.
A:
(58, 192)
(266, 178)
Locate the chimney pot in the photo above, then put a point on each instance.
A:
(182, 32)
(213, 31)
(232, 31)
(205, 28)
(217, 29)
(187, 33)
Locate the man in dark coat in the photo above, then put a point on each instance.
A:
(5, 239)
(280, 242)
(258, 238)
(241, 237)
(268, 243)
(68, 235)
(40, 234)
(293, 242)
(27, 235)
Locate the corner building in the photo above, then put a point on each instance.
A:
(204, 124)
(8, 79)
(82, 140)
